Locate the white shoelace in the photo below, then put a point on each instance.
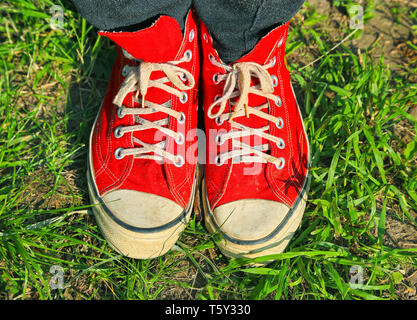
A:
(238, 85)
(138, 79)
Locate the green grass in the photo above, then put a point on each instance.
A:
(363, 176)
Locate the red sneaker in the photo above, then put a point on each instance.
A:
(139, 172)
(255, 185)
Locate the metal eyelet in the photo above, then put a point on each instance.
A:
(205, 37)
(280, 42)
(278, 102)
(181, 120)
(118, 132)
(184, 97)
(218, 121)
(183, 77)
(210, 57)
(188, 55)
(274, 80)
(120, 113)
(281, 164)
(273, 61)
(191, 35)
(216, 78)
(117, 153)
(219, 140)
(218, 161)
(280, 123)
(281, 144)
(180, 161)
(125, 71)
(180, 139)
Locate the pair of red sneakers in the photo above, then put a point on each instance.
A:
(143, 147)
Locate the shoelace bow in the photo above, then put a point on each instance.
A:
(239, 77)
(138, 79)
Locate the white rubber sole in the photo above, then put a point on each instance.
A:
(134, 242)
(274, 243)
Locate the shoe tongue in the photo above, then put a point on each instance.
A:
(261, 52)
(158, 43)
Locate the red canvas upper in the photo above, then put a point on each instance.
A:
(235, 181)
(162, 42)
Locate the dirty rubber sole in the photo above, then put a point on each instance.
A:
(134, 242)
(274, 243)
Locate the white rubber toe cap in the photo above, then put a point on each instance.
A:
(250, 219)
(140, 209)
